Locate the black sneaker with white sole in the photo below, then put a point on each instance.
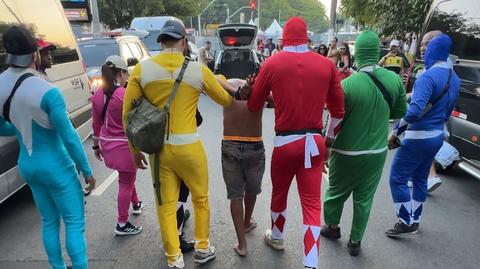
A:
(137, 209)
(401, 229)
(128, 229)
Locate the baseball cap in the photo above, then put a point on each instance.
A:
(395, 43)
(116, 61)
(173, 28)
(20, 45)
(44, 45)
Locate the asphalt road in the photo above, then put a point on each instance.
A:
(448, 237)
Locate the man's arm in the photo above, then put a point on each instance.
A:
(399, 108)
(132, 93)
(261, 89)
(335, 104)
(212, 88)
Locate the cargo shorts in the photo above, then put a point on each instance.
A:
(243, 165)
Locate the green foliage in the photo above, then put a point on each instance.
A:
(391, 17)
(311, 10)
(119, 13)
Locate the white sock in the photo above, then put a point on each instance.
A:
(122, 224)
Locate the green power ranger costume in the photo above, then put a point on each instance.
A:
(359, 152)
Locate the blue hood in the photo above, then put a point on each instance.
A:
(438, 50)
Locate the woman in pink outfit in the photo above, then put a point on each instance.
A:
(110, 143)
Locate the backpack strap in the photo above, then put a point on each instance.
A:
(436, 100)
(6, 106)
(385, 93)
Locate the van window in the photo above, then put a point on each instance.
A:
(46, 20)
(96, 54)
(126, 52)
(460, 20)
(136, 50)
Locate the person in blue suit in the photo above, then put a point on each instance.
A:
(434, 96)
(50, 148)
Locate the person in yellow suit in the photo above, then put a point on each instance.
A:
(183, 156)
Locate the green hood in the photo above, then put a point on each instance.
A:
(367, 49)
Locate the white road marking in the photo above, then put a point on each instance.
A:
(105, 184)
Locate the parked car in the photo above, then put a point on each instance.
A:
(237, 57)
(459, 19)
(153, 25)
(97, 48)
(67, 73)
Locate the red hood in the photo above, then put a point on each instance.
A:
(295, 32)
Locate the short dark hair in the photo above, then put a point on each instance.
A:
(336, 39)
(208, 42)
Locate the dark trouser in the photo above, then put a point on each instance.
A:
(182, 199)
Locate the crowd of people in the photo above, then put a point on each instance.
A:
(354, 147)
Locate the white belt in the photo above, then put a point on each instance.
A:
(311, 148)
(409, 134)
(181, 139)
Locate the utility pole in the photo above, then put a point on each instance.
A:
(228, 15)
(95, 16)
(333, 19)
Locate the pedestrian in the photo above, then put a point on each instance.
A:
(434, 95)
(183, 156)
(393, 61)
(46, 59)
(343, 65)
(300, 150)
(310, 45)
(270, 46)
(110, 143)
(359, 152)
(243, 162)
(323, 50)
(204, 56)
(34, 110)
(333, 52)
(279, 47)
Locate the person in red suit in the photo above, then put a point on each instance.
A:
(302, 83)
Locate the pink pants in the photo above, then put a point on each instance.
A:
(126, 194)
(288, 162)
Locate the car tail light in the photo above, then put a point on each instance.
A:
(457, 114)
(231, 41)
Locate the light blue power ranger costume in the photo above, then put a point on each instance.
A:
(424, 133)
(50, 151)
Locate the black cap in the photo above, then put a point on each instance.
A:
(173, 28)
(20, 45)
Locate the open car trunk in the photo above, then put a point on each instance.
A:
(237, 63)
(239, 36)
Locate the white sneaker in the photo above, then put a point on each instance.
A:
(178, 264)
(202, 256)
(434, 183)
(276, 244)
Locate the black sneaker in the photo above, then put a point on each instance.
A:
(330, 233)
(128, 229)
(415, 226)
(354, 248)
(401, 229)
(186, 246)
(137, 209)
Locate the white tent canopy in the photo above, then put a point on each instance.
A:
(274, 29)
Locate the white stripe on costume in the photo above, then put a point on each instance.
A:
(297, 49)
(360, 152)
(410, 134)
(311, 147)
(181, 139)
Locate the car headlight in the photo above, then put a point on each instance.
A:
(97, 82)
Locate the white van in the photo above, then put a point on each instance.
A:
(47, 20)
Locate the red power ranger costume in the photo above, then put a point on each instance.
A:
(302, 83)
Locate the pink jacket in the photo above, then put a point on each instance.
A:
(110, 132)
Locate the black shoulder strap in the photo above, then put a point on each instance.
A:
(385, 93)
(105, 106)
(6, 106)
(434, 101)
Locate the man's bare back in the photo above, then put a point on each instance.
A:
(238, 121)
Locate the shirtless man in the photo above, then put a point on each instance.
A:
(243, 161)
(333, 53)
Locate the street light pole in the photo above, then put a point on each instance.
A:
(198, 18)
(228, 15)
(333, 19)
(95, 17)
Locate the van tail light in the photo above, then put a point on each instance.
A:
(457, 114)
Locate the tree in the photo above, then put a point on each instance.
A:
(120, 13)
(391, 17)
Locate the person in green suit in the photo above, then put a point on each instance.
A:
(359, 152)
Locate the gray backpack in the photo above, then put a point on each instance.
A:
(146, 124)
(146, 127)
